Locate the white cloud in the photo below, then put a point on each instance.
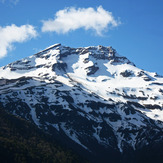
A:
(71, 19)
(13, 33)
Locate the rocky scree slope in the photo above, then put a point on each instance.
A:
(91, 97)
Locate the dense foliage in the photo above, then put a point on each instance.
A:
(22, 142)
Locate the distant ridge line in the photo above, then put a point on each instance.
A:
(49, 48)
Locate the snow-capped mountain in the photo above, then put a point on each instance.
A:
(91, 96)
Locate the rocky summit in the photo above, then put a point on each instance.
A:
(90, 98)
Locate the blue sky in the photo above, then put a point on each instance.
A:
(133, 27)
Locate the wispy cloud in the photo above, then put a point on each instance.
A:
(2, 1)
(14, 1)
(12, 34)
(71, 19)
(10, 1)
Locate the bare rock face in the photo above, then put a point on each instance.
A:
(91, 70)
(59, 66)
(126, 73)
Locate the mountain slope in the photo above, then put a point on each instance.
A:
(20, 141)
(94, 98)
